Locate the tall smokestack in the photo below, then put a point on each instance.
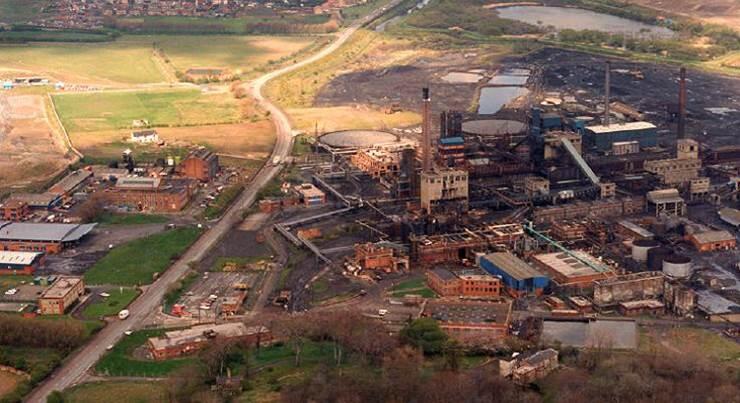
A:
(426, 134)
(682, 104)
(607, 90)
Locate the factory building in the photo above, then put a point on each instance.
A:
(449, 248)
(181, 342)
(151, 194)
(628, 287)
(625, 147)
(369, 256)
(471, 322)
(602, 137)
(679, 299)
(201, 164)
(711, 241)
(444, 188)
(62, 294)
(605, 208)
(451, 151)
(576, 269)
(666, 202)
(47, 238)
(682, 169)
(518, 277)
(14, 210)
(526, 370)
(376, 162)
(73, 182)
(310, 195)
(17, 263)
(642, 307)
(447, 283)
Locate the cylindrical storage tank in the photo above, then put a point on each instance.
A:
(677, 266)
(640, 248)
(655, 257)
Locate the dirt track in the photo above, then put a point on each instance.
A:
(31, 149)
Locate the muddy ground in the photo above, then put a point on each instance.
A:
(403, 84)
(31, 150)
(582, 75)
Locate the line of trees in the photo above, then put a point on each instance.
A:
(58, 334)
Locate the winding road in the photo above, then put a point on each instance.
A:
(75, 368)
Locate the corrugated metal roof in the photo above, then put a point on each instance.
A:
(19, 258)
(713, 236)
(514, 266)
(44, 232)
(730, 215)
(621, 127)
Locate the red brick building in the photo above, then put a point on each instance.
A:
(181, 342)
(711, 241)
(14, 210)
(449, 284)
(200, 164)
(41, 237)
(151, 194)
(471, 322)
(16, 263)
(56, 299)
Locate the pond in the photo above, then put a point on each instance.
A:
(492, 99)
(580, 19)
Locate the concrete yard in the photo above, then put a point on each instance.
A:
(599, 333)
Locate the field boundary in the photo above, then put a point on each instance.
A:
(67, 139)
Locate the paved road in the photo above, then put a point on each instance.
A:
(75, 368)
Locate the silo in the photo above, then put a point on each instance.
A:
(677, 266)
(640, 248)
(655, 257)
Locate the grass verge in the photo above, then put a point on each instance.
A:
(130, 219)
(117, 391)
(120, 361)
(222, 202)
(118, 300)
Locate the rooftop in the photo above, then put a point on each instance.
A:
(61, 287)
(309, 190)
(71, 181)
(43, 232)
(664, 196)
(37, 199)
(636, 229)
(514, 266)
(20, 258)
(620, 127)
(138, 183)
(629, 277)
(444, 274)
(197, 334)
(730, 216)
(469, 312)
(644, 303)
(713, 236)
(539, 357)
(571, 266)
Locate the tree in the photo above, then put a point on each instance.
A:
(55, 397)
(184, 383)
(426, 334)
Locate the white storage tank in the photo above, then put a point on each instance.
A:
(677, 266)
(640, 248)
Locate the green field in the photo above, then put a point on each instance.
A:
(118, 300)
(121, 362)
(117, 391)
(414, 286)
(240, 54)
(110, 62)
(136, 262)
(116, 110)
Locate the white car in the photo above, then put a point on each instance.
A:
(128, 332)
(123, 314)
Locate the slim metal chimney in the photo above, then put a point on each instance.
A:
(607, 90)
(682, 104)
(426, 134)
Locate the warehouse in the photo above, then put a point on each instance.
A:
(48, 238)
(474, 322)
(519, 278)
(711, 241)
(730, 216)
(19, 262)
(602, 137)
(575, 269)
